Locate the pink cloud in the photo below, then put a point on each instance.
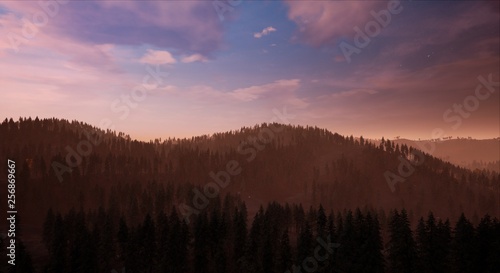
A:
(264, 32)
(281, 91)
(158, 57)
(353, 92)
(322, 22)
(277, 93)
(187, 26)
(194, 58)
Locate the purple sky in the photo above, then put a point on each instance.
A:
(92, 61)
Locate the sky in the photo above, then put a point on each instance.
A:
(159, 69)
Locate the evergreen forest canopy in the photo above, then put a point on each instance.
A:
(121, 203)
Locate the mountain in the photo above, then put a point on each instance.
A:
(73, 179)
(269, 162)
(469, 153)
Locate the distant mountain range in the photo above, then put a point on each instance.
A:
(469, 153)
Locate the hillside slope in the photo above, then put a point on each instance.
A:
(469, 153)
(271, 162)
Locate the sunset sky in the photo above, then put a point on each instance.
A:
(88, 60)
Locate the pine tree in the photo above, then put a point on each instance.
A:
(463, 247)
(321, 224)
(485, 241)
(360, 241)
(24, 263)
(443, 246)
(83, 251)
(163, 241)
(123, 240)
(331, 263)
(48, 228)
(422, 245)
(254, 244)
(58, 250)
(401, 248)
(178, 243)
(268, 260)
(105, 242)
(374, 261)
(132, 256)
(240, 233)
(305, 243)
(285, 254)
(431, 262)
(200, 243)
(348, 241)
(148, 243)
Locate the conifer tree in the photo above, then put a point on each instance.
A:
(305, 243)
(48, 228)
(285, 254)
(463, 246)
(401, 248)
(23, 261)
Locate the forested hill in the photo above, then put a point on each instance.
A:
(470, 153)
(57, 159)
(90, 200)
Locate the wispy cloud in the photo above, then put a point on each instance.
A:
(277, 91)
(186, 26)
(157, 57)
(323, 22)
(271, 89)
(194, 58)
(353, 92)
(264, 32)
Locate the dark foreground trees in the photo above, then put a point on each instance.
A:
(219, 241)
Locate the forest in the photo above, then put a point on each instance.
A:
(278, 239)
(309, 200)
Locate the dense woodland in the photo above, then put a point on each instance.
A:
(279, 239)
(121, 198)
(493, 166)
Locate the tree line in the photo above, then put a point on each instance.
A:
(307, 164)
(280, 238)
(127, 179)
